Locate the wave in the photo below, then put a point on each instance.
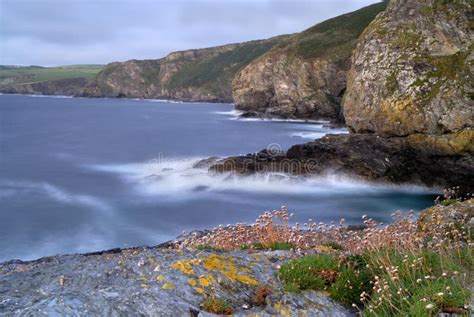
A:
(179, 179)
(11, 188)
(318, 131)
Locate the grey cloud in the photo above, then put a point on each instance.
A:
(58, 32)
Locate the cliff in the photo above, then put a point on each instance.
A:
(411, 75)
(305, 75)
(408, 104)
(64, 87)
(192, 75)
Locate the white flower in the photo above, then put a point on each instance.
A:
(429, 306)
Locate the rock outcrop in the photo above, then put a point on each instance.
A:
(192, 75)
(371, 157)
(154, 282)
(305, 75)
(412, 71)
(409, 103)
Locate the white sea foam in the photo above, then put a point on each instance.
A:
(177, 179)
(317, 132)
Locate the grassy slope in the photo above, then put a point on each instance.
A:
(334, 38)
(218, 71)
(21, 75)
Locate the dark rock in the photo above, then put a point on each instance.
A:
(368, 156)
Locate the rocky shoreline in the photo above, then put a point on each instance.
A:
(175, 278)
(370, 157)
(153, 281)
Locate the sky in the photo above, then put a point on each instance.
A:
(64, 32)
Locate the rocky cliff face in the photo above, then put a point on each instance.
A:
(193, 75)
(305, 75)
(64, 87)
(411, 73)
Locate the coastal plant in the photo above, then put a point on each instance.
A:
(217, 306)
(418, 265)
(261, 294)
(207, 247)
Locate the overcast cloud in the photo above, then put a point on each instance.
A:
(61, 32)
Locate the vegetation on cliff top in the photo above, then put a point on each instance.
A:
(217, 71)
(334, 38)
(21, 75)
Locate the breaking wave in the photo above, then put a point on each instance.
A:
(179, 179)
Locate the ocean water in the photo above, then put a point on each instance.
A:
(80, 175)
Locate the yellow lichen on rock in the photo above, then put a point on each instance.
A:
(199, 290)
(226, 266)
(451, 144)
(168, 285)
(192, 282)
(206, 281)
(185, 266)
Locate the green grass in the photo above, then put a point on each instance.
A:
(353, 279)
(31, 74)
(218, 70)
(303, 273)
(421, 279)
(449, 201)
(274, 246)
(336, 37)
(207, 247)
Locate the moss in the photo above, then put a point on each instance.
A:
(407, 37)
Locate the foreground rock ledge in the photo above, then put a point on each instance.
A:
(444, 161)
(152, 282)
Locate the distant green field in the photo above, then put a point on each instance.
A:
(21, 75)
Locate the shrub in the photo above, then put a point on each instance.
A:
(217, 306)
(261, 295)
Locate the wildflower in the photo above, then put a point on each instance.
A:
(440, 294)
(429, 306)
(418, 281)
